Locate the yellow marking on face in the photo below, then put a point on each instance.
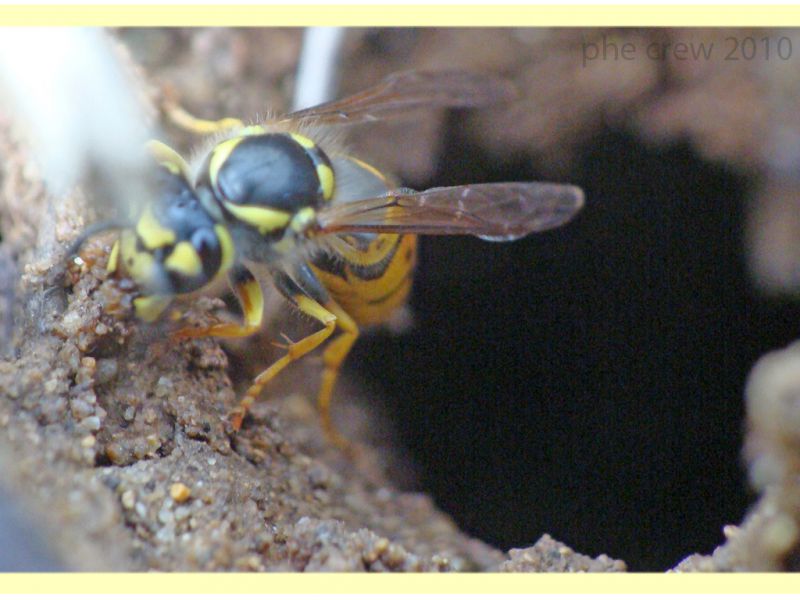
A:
(139, 264)
(325, 174)
(168, 158)
(266, 220)
(148, 308)
(219, 155)
(153, 234)
(303, 141)
(113, 258)
(184, 260)
(141, 267)
(228, 251)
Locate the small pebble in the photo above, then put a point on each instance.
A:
(165, 515)
(166, 534)
(163, 387)
(90, 423)
(731, 531)
(149, 415)
(153, 442)
(179, 492)
(81, 409)
(128, 499)
(115, 453)
(106, 370)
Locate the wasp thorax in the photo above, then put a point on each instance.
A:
(263, 180)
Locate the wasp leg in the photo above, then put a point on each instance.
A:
(309, 299)
(332, 358)
(248, 292)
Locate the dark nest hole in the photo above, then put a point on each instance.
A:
(587, 382)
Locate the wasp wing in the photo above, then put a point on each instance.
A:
(409, 90)
(491, 211)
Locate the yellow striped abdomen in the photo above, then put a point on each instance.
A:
(371, 276)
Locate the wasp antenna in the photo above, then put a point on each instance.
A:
(91, 231)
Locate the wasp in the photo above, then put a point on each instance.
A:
(334, 234)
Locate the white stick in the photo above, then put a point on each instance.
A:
(317, 71)
(76, 104)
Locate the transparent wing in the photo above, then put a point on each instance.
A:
(491, 211)
(411, 90)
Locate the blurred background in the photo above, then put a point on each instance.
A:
(587, 382)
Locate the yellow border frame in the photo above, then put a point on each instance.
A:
(374, 583)
(399, 15)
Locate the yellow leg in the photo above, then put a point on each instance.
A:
(220, 330)
(295, 351)
(248, 291)
(329, 314)
(332, 358)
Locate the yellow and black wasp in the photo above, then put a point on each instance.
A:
(337, 238)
